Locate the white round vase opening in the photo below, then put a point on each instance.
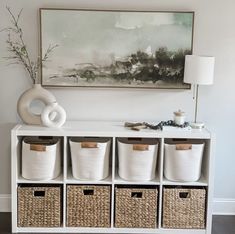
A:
(37, 92)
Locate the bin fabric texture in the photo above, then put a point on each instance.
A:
(184, 208)
(136, 208)
(90, 158)
(41, 158)
(39, 206)
(182, 162)
(88, 206)
(137, 158)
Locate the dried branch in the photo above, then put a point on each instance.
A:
(18, 49)
(48, 51)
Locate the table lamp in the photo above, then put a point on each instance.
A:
(198, 70)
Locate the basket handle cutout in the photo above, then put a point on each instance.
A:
(39, 148)
(39, 193)
(88, 192)
(140, 147)
(89, 145)
(134, 139)
(136, 194)
(184, 195)
(183, 146)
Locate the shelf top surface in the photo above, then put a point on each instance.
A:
(109, 129)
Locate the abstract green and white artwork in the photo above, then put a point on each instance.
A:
(125, 49)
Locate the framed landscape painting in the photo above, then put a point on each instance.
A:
(124, 49)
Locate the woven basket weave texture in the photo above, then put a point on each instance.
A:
(136, 208)
(88, 206)
(184, 208)
(39, 206)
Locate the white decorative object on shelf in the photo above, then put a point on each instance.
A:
(179, 117)
(23, 105)
(183, 162)
(90, 158)
(41, 159)
(53, 115)
(137, 158)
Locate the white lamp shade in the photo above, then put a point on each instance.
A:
(199, 70)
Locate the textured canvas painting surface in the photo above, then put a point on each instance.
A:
(115, 49)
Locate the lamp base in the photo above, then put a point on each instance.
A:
(197, 125)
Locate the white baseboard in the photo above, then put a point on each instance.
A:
(220, 206)
(223, 206)
(5, 202)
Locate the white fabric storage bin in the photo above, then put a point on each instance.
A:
(137, 158)
(90, 158)
(183, 162)
(41, 158)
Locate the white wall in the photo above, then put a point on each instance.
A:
(214, 34)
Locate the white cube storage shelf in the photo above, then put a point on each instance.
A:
(112, 131)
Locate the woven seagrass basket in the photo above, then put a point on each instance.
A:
(184, 208)
(39, 206)
(136, 207)
(88, 206)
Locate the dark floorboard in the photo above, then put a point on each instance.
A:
(221, 224)
(5, 223)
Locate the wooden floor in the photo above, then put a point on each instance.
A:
(221, 224)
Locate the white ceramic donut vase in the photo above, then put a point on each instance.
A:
(53, 115)
(23, 105)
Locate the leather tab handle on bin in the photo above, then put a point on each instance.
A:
(89, 144)
(183, 146)
(140, 147)
(36, 147)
